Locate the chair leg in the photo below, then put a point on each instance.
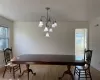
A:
(13, 73)
(74, 70)
(10, 69)
(4, 71)
(85, 74)
(79, 76)
(90, 74)
(28, 75)
(20, 68)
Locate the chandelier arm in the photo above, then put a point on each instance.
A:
(51, 19)
(43, 17)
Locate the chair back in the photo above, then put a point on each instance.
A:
(7, 55)
(88, 56)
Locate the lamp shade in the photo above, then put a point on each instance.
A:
(50, 30)
(47, 35)
(53, 25)
(46, 29)
(40, 24)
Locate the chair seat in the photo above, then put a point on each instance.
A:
(81, 67)
(11, 64)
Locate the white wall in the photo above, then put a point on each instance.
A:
(30, 39)
(93, 9)
(7, 23)
(94, 41)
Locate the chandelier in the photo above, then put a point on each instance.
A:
(48, 24)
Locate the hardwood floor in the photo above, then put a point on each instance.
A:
(47, 72)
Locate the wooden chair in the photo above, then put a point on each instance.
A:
(8, 64)
(84, 71)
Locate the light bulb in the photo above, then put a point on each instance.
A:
(47, 35)
(45, 29)
(50, 30)
(53, 26)
(40, 24)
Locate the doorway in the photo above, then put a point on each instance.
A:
(80, 42)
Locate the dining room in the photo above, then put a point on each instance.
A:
(49, 40)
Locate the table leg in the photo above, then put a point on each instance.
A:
(27, 71)
(67, 72)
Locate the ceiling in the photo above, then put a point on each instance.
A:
(93, 9)
(32, 10)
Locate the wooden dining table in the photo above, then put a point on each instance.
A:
(43, 59)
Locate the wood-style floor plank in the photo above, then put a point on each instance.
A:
(47, 72)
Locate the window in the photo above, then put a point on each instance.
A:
(4, 39)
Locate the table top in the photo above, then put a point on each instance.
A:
(47, 59)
